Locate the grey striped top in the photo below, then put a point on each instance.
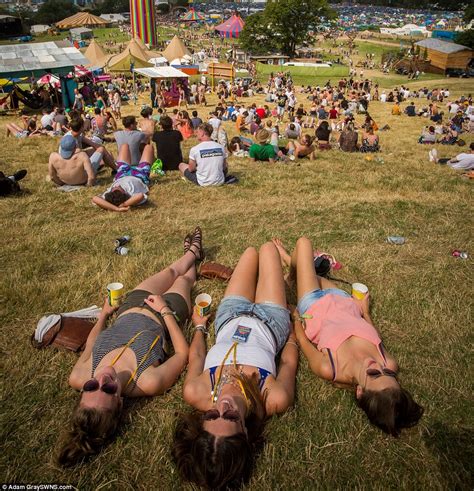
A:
(120, 333)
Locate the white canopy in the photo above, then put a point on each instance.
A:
(161, 72)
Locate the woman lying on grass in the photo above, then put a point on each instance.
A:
(130, 358)
(347, 348)
(236, 385)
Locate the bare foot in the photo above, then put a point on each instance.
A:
(284, 256)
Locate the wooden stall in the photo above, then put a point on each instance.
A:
(445, 55)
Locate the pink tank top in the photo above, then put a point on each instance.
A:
(332, 319)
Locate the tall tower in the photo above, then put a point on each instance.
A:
(142, 17)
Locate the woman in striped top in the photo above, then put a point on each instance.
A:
(130, 357)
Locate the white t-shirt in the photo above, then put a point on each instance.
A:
(454, 108)
(215, 123)
(209, 157)
(47, 120)
(383, 97)
(464, 161)
(131, 185)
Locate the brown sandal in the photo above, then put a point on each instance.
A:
(215, 271)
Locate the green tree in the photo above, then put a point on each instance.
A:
(466, 38)
(283, 25)
(469, 13)
(54, 10)
(257, 37)
(111, 7)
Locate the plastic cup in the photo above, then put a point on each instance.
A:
(115, 294)
(359, 290)
(203, 304)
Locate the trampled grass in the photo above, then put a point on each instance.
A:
(57, 255)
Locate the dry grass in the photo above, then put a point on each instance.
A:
(57, 255)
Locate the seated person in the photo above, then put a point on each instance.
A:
(428, 135)
(348, 138)
(302, 148)
(30, 131)
(239, 145)
(195, 120)
(410, 110)
(291, 133)
(255, 125)
(323, 134)
(132, 137)
(451, 136)
(262, 151)
(141, 354)
(147, 124)
(72, 166)
(396, 111)
(9, 184)
(130, 186)
(344, 347)
(207, 161)
(168, 144)
(370, 141)
(184, 125)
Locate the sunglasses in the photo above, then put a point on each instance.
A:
(375, 373)
(93, 384)
(229, 415)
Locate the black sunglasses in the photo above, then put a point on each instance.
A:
(93, 384)
(229, 415)
(375, 373)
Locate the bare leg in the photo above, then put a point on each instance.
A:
(183, 285)
(183, 167)
(270, 285)
(326, 284)
(303, 261)
(244, 278)
(147, 154)
(124, 154)
(285, 257)
(161, 282)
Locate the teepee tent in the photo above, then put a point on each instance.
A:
(132, 57)
(231, 28)
(193, 16)
(81, 19)
(176, 49)
(96, 55)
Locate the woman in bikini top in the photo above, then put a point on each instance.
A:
(336, 334)
(236, 385)
(128, 359)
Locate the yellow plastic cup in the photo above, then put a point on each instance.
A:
(359, 290)
(203, 304)
(115, 294)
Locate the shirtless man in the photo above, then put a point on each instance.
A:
(71, 165)
(146, 124)
(302, 148)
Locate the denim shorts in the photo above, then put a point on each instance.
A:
(305, 303)
(274, 316)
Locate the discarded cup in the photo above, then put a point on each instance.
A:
(121, 251)
(115, 294)
(396, 240)
(359, 290)
(203, 304)
(121, 241)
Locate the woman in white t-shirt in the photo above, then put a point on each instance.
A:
(237, 384)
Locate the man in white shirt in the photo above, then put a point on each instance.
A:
(215, 122)
(207, 161)
(453, 107)
(47, 120)
(462, 161)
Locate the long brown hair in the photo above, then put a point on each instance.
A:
(89, 431)
(391, 410)
(220, 462)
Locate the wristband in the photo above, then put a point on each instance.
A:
(169, 312)
(293, 343)
(202, 328)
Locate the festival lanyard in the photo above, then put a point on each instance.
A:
(147, 354)
(214, 394)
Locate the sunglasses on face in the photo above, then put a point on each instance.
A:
(375, 373)
(229, 415)
(93, 384)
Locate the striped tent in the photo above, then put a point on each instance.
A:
(231, 28)
(193, 16)
(79, 20)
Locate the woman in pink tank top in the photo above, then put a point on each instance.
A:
(337, 336)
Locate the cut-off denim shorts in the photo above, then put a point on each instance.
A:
(274, 316)
(305, 303)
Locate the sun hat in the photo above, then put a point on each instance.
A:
(262, 136)
(67, 146)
